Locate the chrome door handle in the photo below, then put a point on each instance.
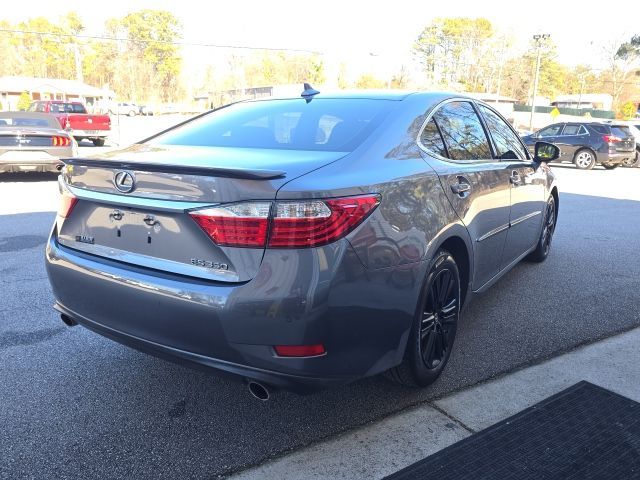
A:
(515, 178)
(460, 188)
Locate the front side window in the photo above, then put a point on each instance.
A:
(550, 131)
(462, 132)
(508, 146)
(321, 125)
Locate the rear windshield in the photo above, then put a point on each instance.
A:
(620, 131)
(67, 108)
(321, 125)
(28, 122)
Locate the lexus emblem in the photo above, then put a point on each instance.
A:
(124, 181)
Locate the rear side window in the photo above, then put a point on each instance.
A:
(462, 132)
(432, 140)
(322, 124)
(571, 130)
(603, 129)
(508, 146)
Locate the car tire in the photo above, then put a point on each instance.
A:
(610, 166)
(435, 324)
(543, 246)
(632, 162)
(584, 159)
(98, 142)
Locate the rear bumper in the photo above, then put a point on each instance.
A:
(90, 133)
(615, 158)
(362, 317)
(38, 163)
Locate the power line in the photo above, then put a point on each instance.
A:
(177, 43)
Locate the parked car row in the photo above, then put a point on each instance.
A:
(130, 109)
(587, 144)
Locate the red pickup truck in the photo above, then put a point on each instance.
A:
(74, 118)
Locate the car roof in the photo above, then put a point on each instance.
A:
(53, 122)
(393, 95)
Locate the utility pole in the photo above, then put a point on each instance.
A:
(504, 46)
(583, 78)
(76, 54)
(539, 38)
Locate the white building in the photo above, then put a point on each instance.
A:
(53, 89)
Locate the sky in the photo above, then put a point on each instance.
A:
(358, 28)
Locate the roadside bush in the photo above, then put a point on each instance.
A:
(24, 101)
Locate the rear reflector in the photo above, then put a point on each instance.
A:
(67, 202)
(291, 224)
(299, 350)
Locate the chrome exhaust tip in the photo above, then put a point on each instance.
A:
(67, 320)
(259, 391)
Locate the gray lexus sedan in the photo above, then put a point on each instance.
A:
(302, 242)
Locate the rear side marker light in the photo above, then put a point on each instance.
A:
(290, 224)
(67, 202)
(300, 350)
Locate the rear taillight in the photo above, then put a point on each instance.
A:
(60, 141)
(611, 139)
(238, 225)
(314, 223)
(67, 202)
(291, 224)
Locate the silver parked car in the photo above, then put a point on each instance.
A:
(302, 242)
(33, 142)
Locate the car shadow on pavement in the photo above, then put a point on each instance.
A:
(79, 405)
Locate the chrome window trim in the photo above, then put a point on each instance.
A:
(474, 103)
(578, 134)
(524, 147)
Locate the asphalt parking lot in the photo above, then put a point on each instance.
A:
(75, 405)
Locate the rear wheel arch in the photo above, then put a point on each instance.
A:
(458, 249)
(556, 197)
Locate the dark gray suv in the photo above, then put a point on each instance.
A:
(589, 143)
(302, 242)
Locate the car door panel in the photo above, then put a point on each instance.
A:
(526, 186)
(476, 185)
(527, 206)
(484, 210)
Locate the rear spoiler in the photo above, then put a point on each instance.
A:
(240, 173)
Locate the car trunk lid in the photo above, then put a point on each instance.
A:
(151, 226)
(625, 140)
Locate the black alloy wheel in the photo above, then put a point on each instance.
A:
(546, 235)
(439, 319)
(434, 330)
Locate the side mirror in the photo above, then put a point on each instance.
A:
(546, 152)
